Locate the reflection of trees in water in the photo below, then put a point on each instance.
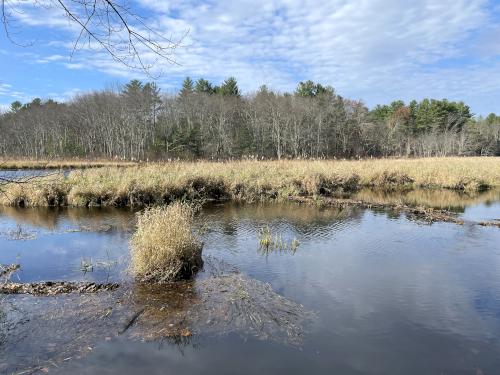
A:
(440, 198)
(303, 220)
(45, 218)
(88, 218)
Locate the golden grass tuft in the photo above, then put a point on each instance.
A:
(164, 247)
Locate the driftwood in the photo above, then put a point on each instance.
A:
(51, 288)
(48, 288)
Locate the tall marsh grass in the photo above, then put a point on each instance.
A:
(159, 183)
(164, 247)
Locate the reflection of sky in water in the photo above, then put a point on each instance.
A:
(61, 241)
(392, 296)
(489, 211)
(387, 291)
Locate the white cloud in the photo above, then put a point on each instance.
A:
(64, 96)
(6, 91)
(8, 95)
(51, 58)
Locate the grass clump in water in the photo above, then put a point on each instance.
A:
(164, 247)
(275, 243)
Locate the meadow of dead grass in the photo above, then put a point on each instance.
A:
(158, 183)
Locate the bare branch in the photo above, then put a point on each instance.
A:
(110, 25)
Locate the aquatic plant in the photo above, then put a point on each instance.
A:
(269, 242)
(19, 234)
(89, 265)
(164, 246)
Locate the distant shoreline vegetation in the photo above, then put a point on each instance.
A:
(204, 121)
(248, 181)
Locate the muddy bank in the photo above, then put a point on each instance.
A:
(48, 288)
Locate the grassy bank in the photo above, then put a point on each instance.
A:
(250, 180)
(61, 163)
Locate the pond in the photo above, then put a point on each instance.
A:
(365, 292)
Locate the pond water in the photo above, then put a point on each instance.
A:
(383, 294)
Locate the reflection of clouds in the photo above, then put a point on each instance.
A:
(57, 256)
(428, 285)
(490, 210)
(441, 278)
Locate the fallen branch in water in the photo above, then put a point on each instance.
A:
(6, 271)
(51, 288)
(490, 224)
(132, 320)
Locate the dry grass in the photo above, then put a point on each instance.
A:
(44, 191)
(61, 163)
(159, 183)
(164, 247)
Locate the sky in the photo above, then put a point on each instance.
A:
(373, 50)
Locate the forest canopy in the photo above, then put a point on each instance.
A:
(209, 121)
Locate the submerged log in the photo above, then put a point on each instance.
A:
(51, 288)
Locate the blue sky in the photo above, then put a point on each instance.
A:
(373, 50)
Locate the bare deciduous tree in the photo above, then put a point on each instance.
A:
(135, 122)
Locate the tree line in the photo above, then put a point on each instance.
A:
(203, 120)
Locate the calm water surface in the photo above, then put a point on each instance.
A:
(389, 295)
